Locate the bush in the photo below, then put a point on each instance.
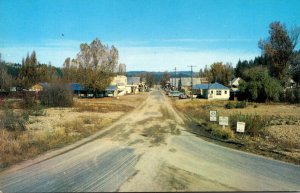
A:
(230, 105)
(259, 86)
(219, 132)
(57, 95)
(297, 95)
(292, 95)
(241, 104)
(254, 123)
(13, 121)
(37, 110)
(29, 100)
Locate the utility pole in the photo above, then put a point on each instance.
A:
(172, 80)
(175, 77)
(191, 81)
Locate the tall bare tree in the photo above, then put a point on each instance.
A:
(93, 66)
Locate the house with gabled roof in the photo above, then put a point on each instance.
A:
(214, 91)
(39, 87)
(235, 83)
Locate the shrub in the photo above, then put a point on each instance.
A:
(259, 85)
(219, 132)
(57, 95)
(297, 95)
(12, 121)
(87, 120)
(37, 110)
(230, 105)
(241, 104)
(29, 100)
(254, 123)
(292, 95)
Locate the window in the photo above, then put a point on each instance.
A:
(219, 92)
(225, 91)
(212, 92)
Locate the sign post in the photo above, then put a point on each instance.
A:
(240, 127)
(223, 121)
(213, 115)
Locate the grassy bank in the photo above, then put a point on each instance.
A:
(271, 129)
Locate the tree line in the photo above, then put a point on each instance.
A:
(93, 67)
(28, 73)
(266, 77)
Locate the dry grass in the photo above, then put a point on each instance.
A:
(271, 127)
(275, 114)
(19, 146)
(61, 126)
(102, 108)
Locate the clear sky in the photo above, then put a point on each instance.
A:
(154, 35)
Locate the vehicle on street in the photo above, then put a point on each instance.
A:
(183, 96)
(175, 93)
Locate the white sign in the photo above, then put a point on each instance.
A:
(223, 121)
(240, 127)
(213, 115)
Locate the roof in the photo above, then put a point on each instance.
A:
(133, 80)
(111, 88)
(291, 81)
(76, 86)
(200, 86)
(211, 86)
(235, 81)
(44, 84)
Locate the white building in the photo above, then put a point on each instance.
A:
(214, 91)
(235, 83)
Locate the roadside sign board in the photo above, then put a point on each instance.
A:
(240, 127)
(223, 121)
(213, 115)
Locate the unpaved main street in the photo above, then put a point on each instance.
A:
(149, 150)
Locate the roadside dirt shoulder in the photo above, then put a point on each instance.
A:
(60, 127)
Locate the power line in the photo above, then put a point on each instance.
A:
(191, 81)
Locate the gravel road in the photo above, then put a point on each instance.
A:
(149, 150)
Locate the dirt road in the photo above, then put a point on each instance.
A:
(149, 150)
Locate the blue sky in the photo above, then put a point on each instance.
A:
(154, 35)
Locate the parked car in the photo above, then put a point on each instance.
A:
(175, 93)
(183, 96)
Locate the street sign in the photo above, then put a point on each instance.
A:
(223, 121)
(213, 115)
(240, 127)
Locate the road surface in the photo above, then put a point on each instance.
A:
(149, 150)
